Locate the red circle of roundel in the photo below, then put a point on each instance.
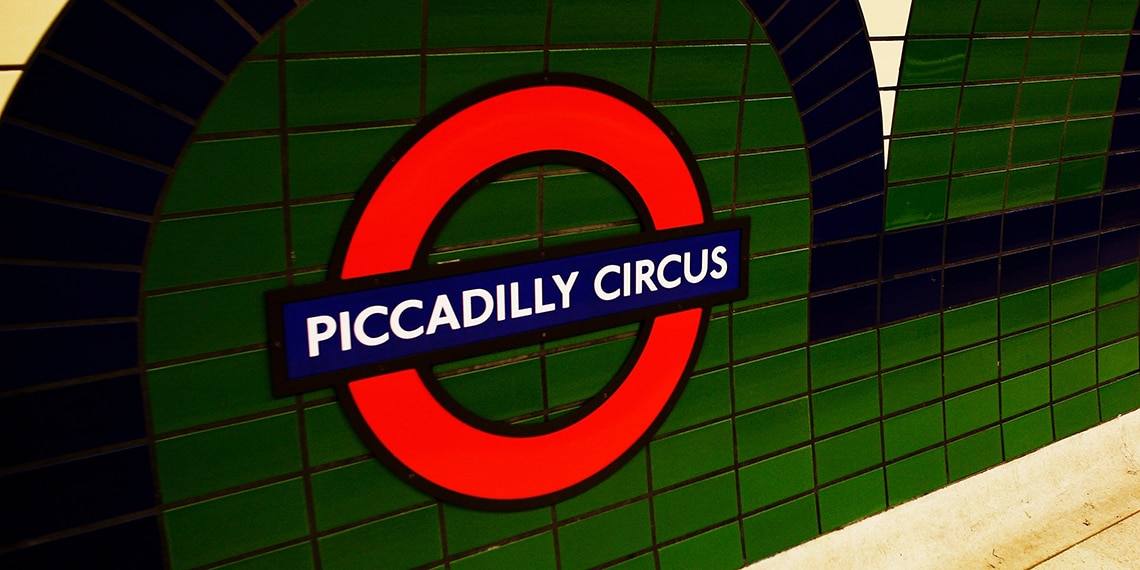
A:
(449, 454)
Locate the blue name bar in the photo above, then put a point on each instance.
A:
(387, 326)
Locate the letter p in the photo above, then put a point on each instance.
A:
(316, 335)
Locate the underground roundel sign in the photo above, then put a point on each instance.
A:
(385, 316)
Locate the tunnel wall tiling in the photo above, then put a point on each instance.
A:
(914, 316)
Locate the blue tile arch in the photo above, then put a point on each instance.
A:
(89, 137)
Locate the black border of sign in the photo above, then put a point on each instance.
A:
(421, 267)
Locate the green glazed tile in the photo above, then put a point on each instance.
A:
(843, 359)
(1053, 56)
(330, 91)
(772, 429)
(919, 110)
(218, 246)
(977, 194)
(205, 391)
(852, 500)
(574, 200)
(628, 67)
(358, 491)
(974, 453)
(920, 157)
(770, 175)
(1023, 393)
(1094, 95)
(501, 392)
(1023, 351)
(1111, 16)
(1076, 414)
(1119, 397)
(512, 204)
(972, 410)
(716, 549)
(694, 506)
(455, 23)
(1103, 54)
(1073, 296)
(765, 72)
(1061, 15)
(690, 72)
(604, 537)
(1005, 16)
(1043, 100)
(776, 277)
(703, 20)
(218, 174)
(269, 45)
(1023, 310)
(1035, 143)
(248, 101)
(402, 541)
(770, 123)
(336, 162)
(778, 225)
(579, 374)
(916, 204)
(910, 341)
(706, 127)
(451, 75)
(1117, 359)
(588, 21)
(978, 150)
(996, 58)
(838, 408)
(469, 528)
(776, 479)
(970, 324)
(533, 552)
(771, 328)
(780, 528)
(205, 532)
(1117, 322)
(916, 476)
(1032, 185)
(354, 25)
(1073, 375)
(330, 437)
(912, 431)
(971, 367)
(942, 16)
(643, 562)
(912, 385)
(988, 104)
(1081, 177)
(1027, 433)
(690, 454)
(1117, 284)
(848, 453)
(770, 379)
(224, 317)
(714, 352)
(930, 62)
(631, 480)
(315, 229)
(719, 174)
(296, 557)
(1089, 136)
(706, 397)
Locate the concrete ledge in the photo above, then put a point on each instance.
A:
(1015, 515)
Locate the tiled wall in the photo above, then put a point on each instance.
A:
(902, 331)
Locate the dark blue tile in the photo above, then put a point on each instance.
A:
(262, 14)
(1077, 217)
(30, 229)
(1025, 269)
(763, 9)
(105, 40)
(1123, 171)
(971, 239)
(854, 101)
(1121, 209)
(850, 144)
(844, 263)
(793, 18)
(1023, 228)
(60, 97)
(863, 178)
(824, 35)
(912, 250)
(132, 544)
(200, 25)
(1074, 258)
(1129, 98)
(36, 356)
(858, 219)
(1119, 247)
(50, 423)
(33, 166)
(849, 62)
(1132, 61)
(911, 296)
(965, 284)
(843, 312)
(58, 497)
(35, 293)
(1126, 132)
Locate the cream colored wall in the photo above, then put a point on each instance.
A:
(22, 23)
